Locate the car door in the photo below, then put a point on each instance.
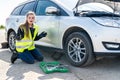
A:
(47, 23)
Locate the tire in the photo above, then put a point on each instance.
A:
(78, 49)
(11, 41)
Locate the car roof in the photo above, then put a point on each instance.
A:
(27, 1)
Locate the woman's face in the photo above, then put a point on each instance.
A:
(30, 19)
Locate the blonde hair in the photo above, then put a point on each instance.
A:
(26, 23)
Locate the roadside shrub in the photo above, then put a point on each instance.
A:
(2, 26)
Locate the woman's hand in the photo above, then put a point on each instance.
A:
(43, 34)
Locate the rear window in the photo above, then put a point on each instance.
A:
(28, 7)
(17, 10)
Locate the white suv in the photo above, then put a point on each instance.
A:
(89, 29)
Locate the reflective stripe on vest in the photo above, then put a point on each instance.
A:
(22, 44)
(23, 40)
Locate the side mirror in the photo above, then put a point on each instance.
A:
(52, 11)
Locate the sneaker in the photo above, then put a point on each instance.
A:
(14, 57)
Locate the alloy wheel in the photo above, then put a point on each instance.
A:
(76, 49)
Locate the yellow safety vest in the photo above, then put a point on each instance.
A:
(27, 43)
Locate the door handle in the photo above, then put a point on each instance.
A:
(17, 20)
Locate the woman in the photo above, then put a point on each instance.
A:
(26, 35)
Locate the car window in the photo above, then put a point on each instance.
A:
(17, 10)
(42, 5)
(28, 7)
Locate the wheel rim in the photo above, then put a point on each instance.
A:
(76, 50)
(12, 41)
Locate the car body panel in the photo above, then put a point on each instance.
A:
(50, 24)
(93, 32)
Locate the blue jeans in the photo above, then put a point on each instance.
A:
(30, 56)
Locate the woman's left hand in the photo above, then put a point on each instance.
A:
(43, 34)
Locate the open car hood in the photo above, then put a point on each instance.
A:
(72, 4)
(95, 7)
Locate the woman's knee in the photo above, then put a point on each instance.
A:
(26, 57)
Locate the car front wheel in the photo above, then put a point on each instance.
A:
(78, 49)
